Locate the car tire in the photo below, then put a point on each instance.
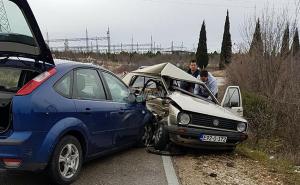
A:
(146, 136)
(161, 137)
(66, 161)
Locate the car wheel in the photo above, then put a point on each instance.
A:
(66, 161)
(161, 137)
(146, 136)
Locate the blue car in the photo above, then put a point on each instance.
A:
(55, 115)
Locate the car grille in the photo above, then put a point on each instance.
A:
(207, 121)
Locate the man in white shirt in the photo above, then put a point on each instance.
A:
(211, 83)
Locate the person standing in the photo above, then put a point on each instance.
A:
(194, 71)
(210, 81)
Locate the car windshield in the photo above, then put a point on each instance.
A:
(13, 26)
(177, 85)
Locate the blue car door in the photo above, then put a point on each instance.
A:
(93, 108)
(127, 116)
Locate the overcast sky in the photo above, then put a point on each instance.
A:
(166, 20)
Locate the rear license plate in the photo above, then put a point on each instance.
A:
(215, 139)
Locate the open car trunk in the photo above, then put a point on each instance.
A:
(11, 80)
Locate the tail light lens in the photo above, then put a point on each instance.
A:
(36, 82)
(12, 163)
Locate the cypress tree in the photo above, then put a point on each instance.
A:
(295, 46)
(226, 50)
(202, 55)
(285, 46)
(257, 46)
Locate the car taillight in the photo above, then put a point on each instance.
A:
(12, 163)
(36, 82)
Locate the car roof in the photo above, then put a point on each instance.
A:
(73, 64)
(168, 70)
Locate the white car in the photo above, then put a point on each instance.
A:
(184, 118)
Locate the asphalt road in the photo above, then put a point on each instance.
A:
(130, 167)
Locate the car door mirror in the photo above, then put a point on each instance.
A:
(233, 100)
(131, 98)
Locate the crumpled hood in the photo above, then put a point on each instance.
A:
(192, 104)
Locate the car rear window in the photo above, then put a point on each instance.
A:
(9, 79)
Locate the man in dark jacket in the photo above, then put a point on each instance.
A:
(194, 72)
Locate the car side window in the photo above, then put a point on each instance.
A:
(88, 85)
(232, 98)
(138, 82)
(118, 90)
(64, 86)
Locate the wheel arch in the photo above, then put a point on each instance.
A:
(67, 126)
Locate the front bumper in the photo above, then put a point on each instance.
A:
(190, 137)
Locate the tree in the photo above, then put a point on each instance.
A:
(295, 46)
(257, 46)
(226, 50)
(201, 54)
(285, 46)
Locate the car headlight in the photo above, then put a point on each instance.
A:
(184, 119)
(241, 127)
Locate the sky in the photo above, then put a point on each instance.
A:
(165, 20)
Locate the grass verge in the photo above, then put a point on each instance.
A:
(280, 166)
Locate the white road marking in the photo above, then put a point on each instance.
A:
(170, 171)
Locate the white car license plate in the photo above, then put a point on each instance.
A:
(215, 139)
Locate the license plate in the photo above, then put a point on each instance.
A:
(215, 139)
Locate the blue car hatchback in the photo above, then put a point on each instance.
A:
(55, 115)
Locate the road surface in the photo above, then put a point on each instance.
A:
(130, 167)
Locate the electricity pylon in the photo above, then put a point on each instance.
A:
(4, 23)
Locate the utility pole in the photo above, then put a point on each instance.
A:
(154, 47)
(108, 41)
(66, 45)
(132, 44)
(4, 23)
(151, 44)
(48, 42)
(172, 47)
(87, 40)
(97, 46)
(181, 46)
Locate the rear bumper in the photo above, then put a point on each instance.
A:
(22, 146)
(31, 167)
(190, 137)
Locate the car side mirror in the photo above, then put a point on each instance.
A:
(131, 98)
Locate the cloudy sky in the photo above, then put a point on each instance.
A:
(166, 20)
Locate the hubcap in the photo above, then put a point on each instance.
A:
(69, 161)
(146, 139)
(158, 134)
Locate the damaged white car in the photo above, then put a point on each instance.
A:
(184, 118)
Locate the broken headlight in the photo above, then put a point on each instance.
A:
(183, 118)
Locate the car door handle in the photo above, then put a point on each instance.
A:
(87, 111)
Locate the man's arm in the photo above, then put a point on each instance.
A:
(214, 87)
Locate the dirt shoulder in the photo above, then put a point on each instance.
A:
(214, 169)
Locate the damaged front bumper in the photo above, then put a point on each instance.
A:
(190, 137)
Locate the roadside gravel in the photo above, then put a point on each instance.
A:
(223, 169)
